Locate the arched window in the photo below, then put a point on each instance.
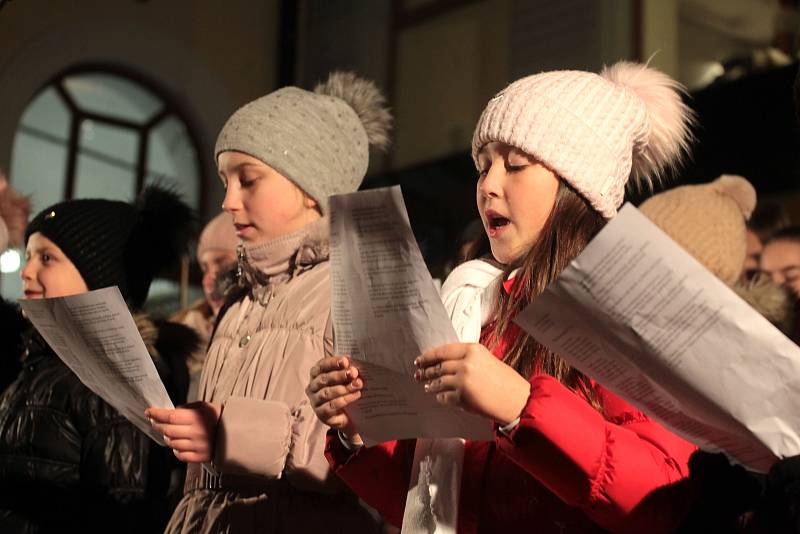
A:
(97, 132)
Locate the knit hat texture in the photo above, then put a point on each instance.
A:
(218, 234)
(115, 243)
(320, 140)
(708, 221)
(594, 131)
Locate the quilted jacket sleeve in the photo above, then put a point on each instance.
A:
(619, 466)
(123, 475)
(389, 463)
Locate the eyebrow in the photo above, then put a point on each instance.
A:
(783, 270)
(244, 165)
(483, 153)
(40, 250)
(237, 167)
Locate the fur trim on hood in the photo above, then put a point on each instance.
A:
(170, 345)
(770, 300)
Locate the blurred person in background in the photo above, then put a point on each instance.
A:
(780, 259)
(216, 253)
(14, 211)
(768, 218)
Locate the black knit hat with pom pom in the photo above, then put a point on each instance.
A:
(115, 243)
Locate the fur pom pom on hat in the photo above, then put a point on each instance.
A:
(320, 140)
(594, 131)
(116, 243)
(708, 221)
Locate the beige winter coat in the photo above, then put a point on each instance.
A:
(269, 472)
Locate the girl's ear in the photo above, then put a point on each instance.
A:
(310, 202)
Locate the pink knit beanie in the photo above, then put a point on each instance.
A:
(594, 131)
(219, 234)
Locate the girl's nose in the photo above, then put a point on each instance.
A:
(208, 278)
(490, 186)
(232, 201)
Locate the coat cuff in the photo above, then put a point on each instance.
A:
(506, 429)
(337, 453)
(253, 437)
(349, 445)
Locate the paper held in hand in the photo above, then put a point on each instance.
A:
(645, 319)
(386, 312)
(94, 335)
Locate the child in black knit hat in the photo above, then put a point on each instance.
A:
(68, 460)
(115, 243)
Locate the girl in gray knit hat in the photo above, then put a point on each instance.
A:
(254, 447)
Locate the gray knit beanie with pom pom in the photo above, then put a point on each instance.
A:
(320, 140)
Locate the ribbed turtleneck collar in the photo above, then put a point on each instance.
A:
(307, 246)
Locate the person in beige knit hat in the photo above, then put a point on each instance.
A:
(710, 222)
(554, 153)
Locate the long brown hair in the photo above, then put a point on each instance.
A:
(569, 228)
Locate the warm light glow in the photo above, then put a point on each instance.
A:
(9, 261)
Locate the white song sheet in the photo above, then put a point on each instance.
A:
(95, 336)
(644, 318)
(386, 312)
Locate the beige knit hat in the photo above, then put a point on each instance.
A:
(708, 221)
(594, 131)
(218, 234)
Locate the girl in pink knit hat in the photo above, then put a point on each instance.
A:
(554, 153)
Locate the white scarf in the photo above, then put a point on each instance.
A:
(433, 492)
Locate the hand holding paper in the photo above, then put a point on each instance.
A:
(190, 430)
(468, 376)
(334, 386)
(386, 312)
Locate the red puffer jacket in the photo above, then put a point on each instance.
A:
(565, 468)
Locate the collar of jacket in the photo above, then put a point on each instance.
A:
(287, 255)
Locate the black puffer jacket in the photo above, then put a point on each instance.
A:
(69, 462)
(13, 325)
